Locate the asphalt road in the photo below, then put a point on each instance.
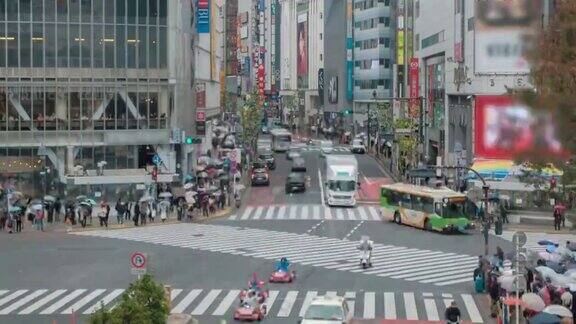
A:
(208, 263)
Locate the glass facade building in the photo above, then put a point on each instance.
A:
(70, 69)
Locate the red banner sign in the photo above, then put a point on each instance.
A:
(413, 77)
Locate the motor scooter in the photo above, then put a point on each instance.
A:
(366, 259)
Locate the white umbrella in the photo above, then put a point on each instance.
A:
(165, 194)
(164, 203)
(533, 302)
(188, 186)
(37, 207)
(558, 310)
(146, 198)
(49, 198)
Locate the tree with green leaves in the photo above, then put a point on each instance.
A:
(251, 118)
(407, 144)
(384, 115)
(143, 302)
(553, 62)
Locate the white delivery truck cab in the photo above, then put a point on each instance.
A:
(341, 180)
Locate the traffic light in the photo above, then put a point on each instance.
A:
(155, 174)
(189, 140)
(347, 112)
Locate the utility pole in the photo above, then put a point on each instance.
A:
(370, 119)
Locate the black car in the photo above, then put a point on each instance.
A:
(295, 182)
(260, 177)
(299, 164)
(269, 158)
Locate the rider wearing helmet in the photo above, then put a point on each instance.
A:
(254, 283)
(365, 244)
(283, 264)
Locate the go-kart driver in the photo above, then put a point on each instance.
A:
(283, 265)
(251, 299)
(254, 284)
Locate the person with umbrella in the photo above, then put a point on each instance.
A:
(39, 218)
(57, 209)
(119, 211)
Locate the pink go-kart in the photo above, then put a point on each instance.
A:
(250, 312)
(282, 276)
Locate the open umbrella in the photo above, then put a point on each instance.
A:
(165, 194)
(551, 248)
(513, 301)
(85, 204)
(49, 198)
(533, 302)
(544, 318)
(146, 198)
(164, 203)
(14, 209)
(547, 242)
(202, 174)
(17, 193)
(81, 197)
(91, 201)
(558, 310)
(188, 186)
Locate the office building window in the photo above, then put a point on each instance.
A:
(471, 24)
(417, 8)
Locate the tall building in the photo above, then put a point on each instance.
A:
(231, 54)
(462, 55)
(88, 84)
(375, 48)
(302, 56)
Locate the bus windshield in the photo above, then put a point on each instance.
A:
(342, 185)
(454, 208)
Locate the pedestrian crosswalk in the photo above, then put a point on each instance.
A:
(223, 302)
(336, 149)
(391, 261)
(307, 212)
(532, 239)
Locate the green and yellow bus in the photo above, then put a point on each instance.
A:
(441, 209)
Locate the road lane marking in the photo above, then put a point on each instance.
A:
(473, 311)
(12, 296)
(350, 297)
(104, 301)
(42, 302)
(452, 282)
(450, 274)
(2, 292)
(206, 302)
(389, 306)
(316, 212)
(331, 294)
(226, 303)
(339, 214)
(59, 304)
(23, 301)
(448, 277)
(82, 302)
(350, 213)
(246, 213)
(369, 305)
(327, 213)
(281, 212)
(187, 300)
(273, 294)
(304, 212)
(307, 300)
(292, 212)
(321, 188)
(410, 304)
(431, 309)
(288, 303)
(315, 226)
(174, 293)
(362, 212)
(270, 212)
(258, 212)
(373, 213)
(353, 230)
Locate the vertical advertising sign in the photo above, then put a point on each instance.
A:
(349, 53)
(201, 95)
(321, 85)
(400, 47)
(413, 75)
(302, 43)
(203, 16)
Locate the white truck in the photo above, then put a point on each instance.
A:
(341, 180)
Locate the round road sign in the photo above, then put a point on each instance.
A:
(519, 238)
(138, 260)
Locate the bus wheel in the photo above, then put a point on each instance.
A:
(427, 225)
(397, 218)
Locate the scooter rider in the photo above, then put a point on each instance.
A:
(452, 314)
(366, 245)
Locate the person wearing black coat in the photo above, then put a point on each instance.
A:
(136, 214)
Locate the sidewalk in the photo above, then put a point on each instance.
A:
(384, 164)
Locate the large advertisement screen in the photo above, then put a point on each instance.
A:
(505, 129)
(503, 31)
(302, 39)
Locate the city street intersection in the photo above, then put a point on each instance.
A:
(415, 273)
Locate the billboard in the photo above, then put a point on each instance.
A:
(503, 30)
(333, 90)
(349, 52)
(505, 129)
(400, 47)
(203, 16)
(302, 43)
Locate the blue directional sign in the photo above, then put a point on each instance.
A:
(156, 160)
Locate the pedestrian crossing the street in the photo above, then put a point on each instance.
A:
(307, 212)
(390, 261)
(223, 302)
(532, 239)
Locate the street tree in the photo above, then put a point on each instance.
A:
(553, 63)
(143, 302)
(251, 118)
(407, 143)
